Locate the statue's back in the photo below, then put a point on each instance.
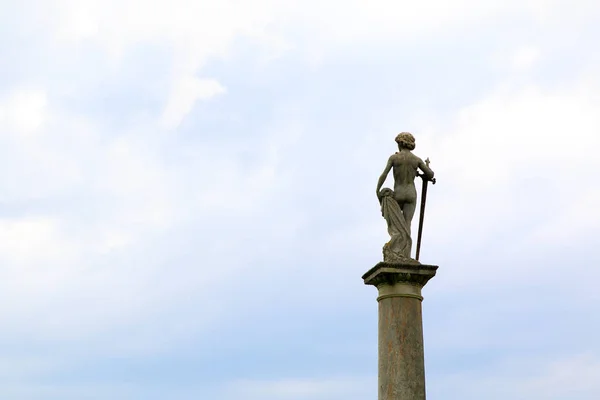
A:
(405, 166)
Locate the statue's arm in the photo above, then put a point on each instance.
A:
(427, 172)
(384, 175)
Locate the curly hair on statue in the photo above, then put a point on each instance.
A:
(406, 140)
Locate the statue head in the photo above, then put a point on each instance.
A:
(405, 140)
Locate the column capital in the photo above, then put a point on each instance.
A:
(385, 273)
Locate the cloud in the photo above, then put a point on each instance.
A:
(542, 379)
(334, 388)
(516, 378)
(524, 58)
(24, 111)
(580, 218)
(86, 207)
(195, 32)
(566, 378)
(18, 237)
(183, 96)
(500, 147)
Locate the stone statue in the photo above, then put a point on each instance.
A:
(398, 205)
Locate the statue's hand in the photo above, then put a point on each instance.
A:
(422, 176)
(385, 192)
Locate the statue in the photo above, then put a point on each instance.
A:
(398, 206)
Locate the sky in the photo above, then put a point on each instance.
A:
(187, 198)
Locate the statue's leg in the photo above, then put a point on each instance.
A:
(408, 209)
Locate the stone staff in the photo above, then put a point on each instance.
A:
(422, 214)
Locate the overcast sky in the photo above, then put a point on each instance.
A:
(187, 198)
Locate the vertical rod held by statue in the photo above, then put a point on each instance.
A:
(422, 214)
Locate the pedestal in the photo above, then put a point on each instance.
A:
(401, 355)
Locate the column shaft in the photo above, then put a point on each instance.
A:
(401, 356)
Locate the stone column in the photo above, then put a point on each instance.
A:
(401, 355)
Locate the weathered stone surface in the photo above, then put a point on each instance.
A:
(399, 205)
(398, 248)
(391, 273)
(401, 354)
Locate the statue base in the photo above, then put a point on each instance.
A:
(407, 271)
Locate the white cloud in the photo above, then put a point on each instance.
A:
(198, 31)
(32, 240)
(518, 132)
(184, 93)
(23, 111)
(525, 57)
(578, 218)
(512, 135)
(69, 271)
(568, 378)
(313, 389)
(575, 377)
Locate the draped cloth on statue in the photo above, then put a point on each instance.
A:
(397, 250)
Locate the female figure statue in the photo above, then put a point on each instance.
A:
(398, 205)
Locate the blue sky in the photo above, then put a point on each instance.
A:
(187, 195)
